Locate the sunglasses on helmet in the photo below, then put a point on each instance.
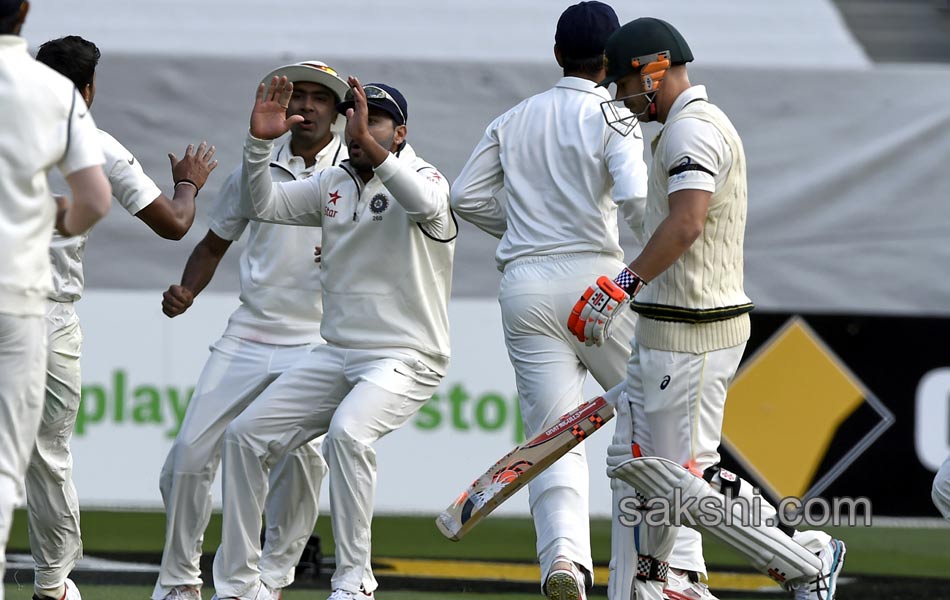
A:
(376, 93)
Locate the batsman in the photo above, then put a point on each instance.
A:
(692, 328)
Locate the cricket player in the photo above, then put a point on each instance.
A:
(941, 489)
(388, 244)
(549, 178)
(693, 321)
(53, 506)
(44, 123)
(276, 325)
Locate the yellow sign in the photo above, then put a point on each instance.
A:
(785, 407)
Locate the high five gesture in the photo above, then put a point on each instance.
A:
(269, 118)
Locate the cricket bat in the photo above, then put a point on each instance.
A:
(520, 466)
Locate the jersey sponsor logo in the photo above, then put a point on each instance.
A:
(665, 382)
(329, 212)
(434, 177)
(379, 203)
(334, 196)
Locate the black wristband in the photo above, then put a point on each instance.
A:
(189, 182)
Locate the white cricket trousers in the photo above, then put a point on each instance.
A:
(233, 378)
(537, 294)
(52, 503)
(22, 371)
(675, 402)
(355, 397)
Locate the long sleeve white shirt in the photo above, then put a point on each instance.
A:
(388, 247)
(549, 175)
(281, 297)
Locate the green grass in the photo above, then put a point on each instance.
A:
(871, 551)
(118, 592)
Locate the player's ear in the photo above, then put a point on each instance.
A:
(558, 57)
(21, 18)
(400, 135)
(88, 93)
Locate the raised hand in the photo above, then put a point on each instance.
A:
(176, 300)
(357, 118)
(269, 118)
(195, 166)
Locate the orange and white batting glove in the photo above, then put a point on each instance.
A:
(591, 316)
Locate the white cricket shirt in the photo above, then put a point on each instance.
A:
(44, 123)
(388, 247)
(549, 175)
(131, 187)
(281, 301)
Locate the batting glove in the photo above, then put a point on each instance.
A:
(591, 316)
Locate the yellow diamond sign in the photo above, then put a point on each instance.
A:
(785, 407)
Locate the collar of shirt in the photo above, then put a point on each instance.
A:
(284, 157)
(12, 42)
(583, 85)
(687, 96)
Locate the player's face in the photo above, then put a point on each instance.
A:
(317, 105)
(384, 131)
(632, 85)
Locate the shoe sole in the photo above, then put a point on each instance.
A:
(562, 585)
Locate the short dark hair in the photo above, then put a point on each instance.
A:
(73, 57)
(591, 65)
(7, 24)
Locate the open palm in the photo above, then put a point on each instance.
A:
(269, 118)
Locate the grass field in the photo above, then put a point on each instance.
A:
(119, 592)
(874, 551)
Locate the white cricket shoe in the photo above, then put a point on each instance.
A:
(565, 584)
(263, 593)
(71, 592)
(184, 592)
(824, 586)
(685, 585)
(345, 595)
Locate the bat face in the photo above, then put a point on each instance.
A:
(514, 470)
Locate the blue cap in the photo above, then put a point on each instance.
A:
(9, 7)
(583, 29)
(381, 96)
